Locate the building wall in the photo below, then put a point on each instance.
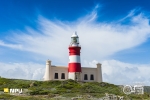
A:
(59, 70)
(87, 75)
(89, 72)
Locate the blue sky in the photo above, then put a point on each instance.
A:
(115, 32)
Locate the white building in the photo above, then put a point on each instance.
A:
(74, 70)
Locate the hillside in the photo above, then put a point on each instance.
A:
(38, 90)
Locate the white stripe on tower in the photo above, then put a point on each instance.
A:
(74, 59)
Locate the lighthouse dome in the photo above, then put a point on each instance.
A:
(74, 34)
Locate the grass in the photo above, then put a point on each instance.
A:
(48, 90)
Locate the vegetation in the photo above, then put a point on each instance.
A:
(38, 90)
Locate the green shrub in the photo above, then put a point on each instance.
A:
(6, 96)
(43, 92)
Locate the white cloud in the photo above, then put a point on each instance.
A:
(117, 72)
(125, 73)
(32, 71)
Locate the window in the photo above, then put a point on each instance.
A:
(85, 77)
(92, 77)
(56, 75)
(62, 75)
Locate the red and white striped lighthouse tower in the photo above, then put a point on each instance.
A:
(74, 66)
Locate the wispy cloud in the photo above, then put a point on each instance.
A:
(14, 46)
(102, 39)
(131, 14)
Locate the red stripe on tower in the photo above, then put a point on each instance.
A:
(74, 51)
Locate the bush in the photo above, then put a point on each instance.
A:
(6, 96)
(43, 92)
(35, 92)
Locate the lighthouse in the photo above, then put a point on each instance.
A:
(74, 70)
(74, 66)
